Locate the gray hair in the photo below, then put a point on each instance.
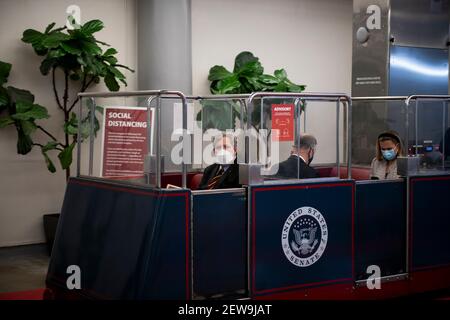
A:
(307, 141)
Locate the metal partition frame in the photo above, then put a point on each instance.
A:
(396, 98)
(443, 98)
(155, 94)
(407, 100)
(188, 98)
(329, 97)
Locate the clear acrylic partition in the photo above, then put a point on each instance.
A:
(212, 117)
(280, 123)
(429, 134)
(119, 139)
(372, 117)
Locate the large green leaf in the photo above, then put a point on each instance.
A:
(110, 59)
(90, 47)
(217, 115)
(116, 72)
(24, 142)
(48, 161)
(54, 39)
(110, 52)
(71, 47)
(4, 98)
(6, 121)
(91, 27)
(65, 156)
(49, 27)
(52, 145)
(23, 106)
(242, 59)
(268, 79)
(56, 53)
(25, 112)
(16, 95)
(46, 66)
(280, 74)
(228, 85)
(5, 68)
(218, 73)
(294, 87)
(251, 69)
(33, 37)
(111, 83)
(71, 126)
(28, 127)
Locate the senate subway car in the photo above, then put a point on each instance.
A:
(257, 196)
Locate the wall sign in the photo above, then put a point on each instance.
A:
(283, 121)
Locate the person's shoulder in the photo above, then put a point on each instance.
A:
(375, 162)
(210, 168)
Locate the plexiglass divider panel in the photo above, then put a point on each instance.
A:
(116, 137)
(371, 117)
(429, 134)
(280, 131)
(212, 118)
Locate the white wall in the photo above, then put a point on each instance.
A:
(311, 39)
(27, 189)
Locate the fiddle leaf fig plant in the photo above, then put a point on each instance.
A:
(247, 77)
(17, 108)
(77, 59)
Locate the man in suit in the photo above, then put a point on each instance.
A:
(225, 172)
(297, 165)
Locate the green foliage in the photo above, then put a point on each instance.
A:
(247, 77)
(83, 62)
(19, 110)
(77, 53)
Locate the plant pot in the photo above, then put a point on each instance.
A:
(50, 225)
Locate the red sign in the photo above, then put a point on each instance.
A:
(125, 141)
(283, 121)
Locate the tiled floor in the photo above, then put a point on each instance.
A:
(23, 268)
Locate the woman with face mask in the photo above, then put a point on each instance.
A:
(384, 165)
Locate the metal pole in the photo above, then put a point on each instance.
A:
(185, 140)
(407, 128)
(408, 182)
(80, 115)
(149, 130)
(297, 131)
(304, 115)
(444, 104)
(349, 138)
(338, 160)
(91, 136)
(158, 142)
(261, 123)
(416, 124)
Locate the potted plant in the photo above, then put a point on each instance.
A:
(247, 77)
(75, 57)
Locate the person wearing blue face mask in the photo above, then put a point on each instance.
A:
(384, 165)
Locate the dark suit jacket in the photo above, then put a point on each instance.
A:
(289, 169)
(230, 178)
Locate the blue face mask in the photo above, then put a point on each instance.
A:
(389, 154)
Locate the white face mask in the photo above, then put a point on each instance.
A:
(224, 156)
